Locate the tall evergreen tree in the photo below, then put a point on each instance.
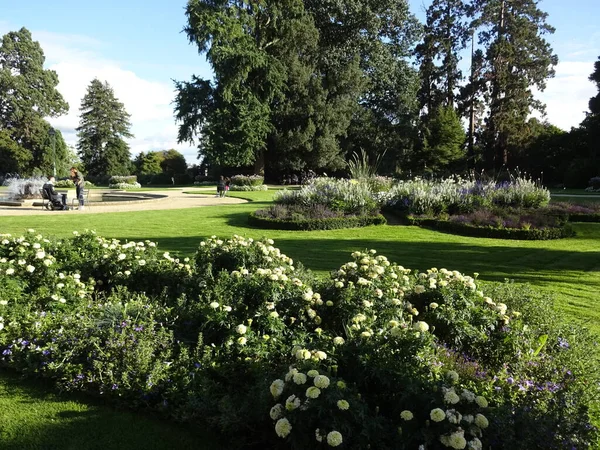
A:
(231, 117)
(291, 76)
(103, 126)
(518, 59)
(445, 35)
(592, 121)
(28, 95)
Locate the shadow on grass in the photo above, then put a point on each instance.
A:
(33, 417)
(493, 262)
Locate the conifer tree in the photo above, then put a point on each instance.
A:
(103, 126)
(518, 59)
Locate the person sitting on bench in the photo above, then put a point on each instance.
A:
(57, 199)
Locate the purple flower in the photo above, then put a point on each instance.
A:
(563, 343)
(7, 352)
(139, 328)
(115, 387)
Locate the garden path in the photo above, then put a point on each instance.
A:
(175, 199)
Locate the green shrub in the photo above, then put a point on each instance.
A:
(331, 223)
(466, 229)
(246, 187)
(375, 355)
(247, 180)
(457, 195)
(351, 197)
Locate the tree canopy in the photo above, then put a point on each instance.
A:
(28, 95)
(293, 79)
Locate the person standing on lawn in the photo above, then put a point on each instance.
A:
(221, 187)
(79, 182)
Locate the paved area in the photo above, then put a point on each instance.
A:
(174, 199)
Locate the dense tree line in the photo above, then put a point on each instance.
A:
(303, 84)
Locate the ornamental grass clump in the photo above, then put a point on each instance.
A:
(242, 338)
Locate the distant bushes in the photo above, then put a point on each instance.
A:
(247, 180)
(123, 182)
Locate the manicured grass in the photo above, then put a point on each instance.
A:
(32, 417)
(572, 191)
(568, 268)
(577, 200)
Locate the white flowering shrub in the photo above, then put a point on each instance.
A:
(247, 188)
(125, 185)
(458, 195)
(348, 196)
(247, 180)
(244, 339)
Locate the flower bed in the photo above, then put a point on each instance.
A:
(589, 212)
(247, 188)
(488, 231)
(458, 196)
(243, 338)
(324, 204)
(124, 182)
(307, 224)
(247, 180)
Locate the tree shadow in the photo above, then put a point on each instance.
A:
(40, 418)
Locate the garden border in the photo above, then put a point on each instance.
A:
(491, 232)
(333, 223)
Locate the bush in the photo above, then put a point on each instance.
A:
(457, 195)
(351, 197)
(70, 185)
(129, 179)
(594, 185)
(123, 182)
(244, 339)
(488, 231)
(579, 172)
(247, 180)
(306, 224)
(245, 187)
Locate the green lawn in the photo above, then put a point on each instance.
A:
(568, 269)
(33, 417)
(572, 191)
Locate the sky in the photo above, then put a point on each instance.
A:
(138, 47)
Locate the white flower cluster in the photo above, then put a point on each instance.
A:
(296, 378)
(271, 255)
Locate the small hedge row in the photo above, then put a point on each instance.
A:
(333, 223)
(584, 218)
(491, 232)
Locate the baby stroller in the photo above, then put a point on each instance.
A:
(56, 201)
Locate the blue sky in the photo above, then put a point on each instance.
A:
(138, 47)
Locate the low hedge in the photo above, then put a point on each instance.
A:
(584, 218)
(463, 229)
(333, 223)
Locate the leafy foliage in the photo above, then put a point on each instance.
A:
(28, 94)
(371, 352)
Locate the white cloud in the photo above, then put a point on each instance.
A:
(568, 93)
(78, 60)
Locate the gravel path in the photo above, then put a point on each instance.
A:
(175, 199)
